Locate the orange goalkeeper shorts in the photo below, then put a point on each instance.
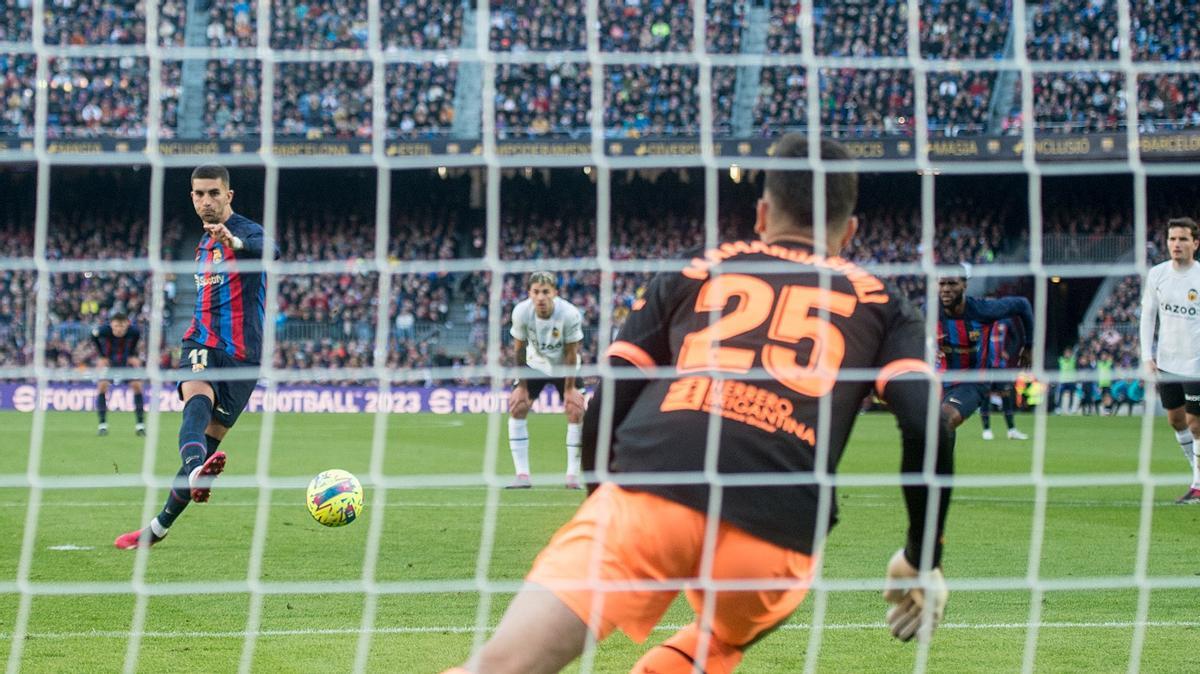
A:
(624, 538)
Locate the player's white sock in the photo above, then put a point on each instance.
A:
(158, 529)
(574, 448)
(518, 443)
(1187, 444)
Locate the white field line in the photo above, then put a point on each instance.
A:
(460, 629)
(852, 501)
(299, 503)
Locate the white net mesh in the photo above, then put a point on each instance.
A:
(697, 131)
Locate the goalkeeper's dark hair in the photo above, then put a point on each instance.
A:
(118, 317)
(1187, 223)
(210, 172)
(792, 190)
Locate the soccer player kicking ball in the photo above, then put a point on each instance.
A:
(117, 346)
(801, 318)
(1171, 296)
(226, 333)
(547, 332)
(964, 340)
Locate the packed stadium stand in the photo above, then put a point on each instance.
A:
(95, 22)
(872, 102)
(1073, 101)
(330, 318)
(321, 100)
(16, 25)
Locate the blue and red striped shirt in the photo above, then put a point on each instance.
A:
(230, 304)
(116, 349)
(1003, 347)
(965, 342)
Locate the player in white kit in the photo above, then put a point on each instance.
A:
(1171, 295)
(547, 332)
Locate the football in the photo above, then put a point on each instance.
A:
(335, 498)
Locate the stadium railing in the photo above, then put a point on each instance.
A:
(1085, 247)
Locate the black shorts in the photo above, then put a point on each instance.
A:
(1003, 388)
(536, 380)
(1176, 394)
(966, 398)
(230, 396)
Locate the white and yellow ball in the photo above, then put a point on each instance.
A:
(335, 498)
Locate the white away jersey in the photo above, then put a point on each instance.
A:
(1173, 297)
(545, 337)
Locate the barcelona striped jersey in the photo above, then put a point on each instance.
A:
(1004, 344)
(117, 350)
(965, 342)
(229, 302)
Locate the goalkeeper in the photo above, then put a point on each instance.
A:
(657, 531)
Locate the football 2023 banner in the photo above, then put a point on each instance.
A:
(307, 399)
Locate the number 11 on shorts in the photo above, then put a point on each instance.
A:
(199, 359)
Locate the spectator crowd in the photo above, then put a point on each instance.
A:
(1072, 101)
(331, 95)
(858, 102)
(328, 318)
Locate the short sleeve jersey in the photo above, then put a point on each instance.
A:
(545, 337)
(117, 350)
(1004, 345)
(1172, 298)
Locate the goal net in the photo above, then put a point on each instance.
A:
(415, 162)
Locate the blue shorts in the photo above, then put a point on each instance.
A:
(230, 397)
(966, 398)
(1003, 388)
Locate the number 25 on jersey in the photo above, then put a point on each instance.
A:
(790, 324)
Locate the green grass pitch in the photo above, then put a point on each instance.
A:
(434, 535)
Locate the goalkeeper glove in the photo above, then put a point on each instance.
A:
(911, 604)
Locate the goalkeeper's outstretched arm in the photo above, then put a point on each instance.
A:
(917, 598)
